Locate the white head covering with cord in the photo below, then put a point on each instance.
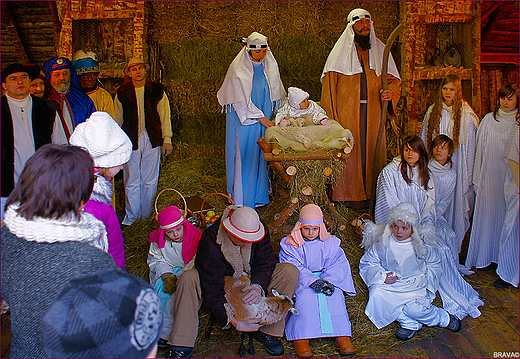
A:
(238, 83)
(343, 57)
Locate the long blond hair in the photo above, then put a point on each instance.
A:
(435, 115)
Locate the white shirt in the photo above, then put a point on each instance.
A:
(21, 112)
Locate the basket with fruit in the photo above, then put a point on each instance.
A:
(189, 210)
(210, 216)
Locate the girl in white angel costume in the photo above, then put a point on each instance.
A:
(402, 272)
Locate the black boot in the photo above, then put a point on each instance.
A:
(272, 345)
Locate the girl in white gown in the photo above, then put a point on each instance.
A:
(509, 252)
(489, 176)
(403, 273)
(445, 177)
(452, 116)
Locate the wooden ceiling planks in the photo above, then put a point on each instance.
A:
(500, 32)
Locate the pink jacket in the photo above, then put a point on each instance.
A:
(106, 214)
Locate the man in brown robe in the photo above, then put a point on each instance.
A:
(352, 95)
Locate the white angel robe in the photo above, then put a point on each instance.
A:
(392, 189)
(463, 159)
(488, 178)
(418, 280)
(326, 316)
(445, 179)
(508, 252)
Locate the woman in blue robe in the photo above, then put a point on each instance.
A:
(251, 92)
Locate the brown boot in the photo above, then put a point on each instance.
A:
(303, 350)
(345, 346)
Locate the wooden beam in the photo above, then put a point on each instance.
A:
(488, 12)
(499, 58)
(10, 22)
(56, 24)
(493, 18)
(305, 156)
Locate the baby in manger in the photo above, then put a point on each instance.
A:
(298, 126)
(299, 111)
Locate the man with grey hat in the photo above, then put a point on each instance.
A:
(236, 243)
(143, 111)
(28, 122)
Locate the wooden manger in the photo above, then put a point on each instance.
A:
(307, 175)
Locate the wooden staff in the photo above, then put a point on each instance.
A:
(398, 30)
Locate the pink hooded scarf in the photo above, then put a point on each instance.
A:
(169, 218)
(310, 215)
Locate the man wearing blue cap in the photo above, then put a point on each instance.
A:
(72, 104)
(87, 68)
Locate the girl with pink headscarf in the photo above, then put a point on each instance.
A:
(324, 278)
(172, 251)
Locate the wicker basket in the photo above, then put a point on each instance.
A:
(203, 211)
(186, 212)
(360, 222)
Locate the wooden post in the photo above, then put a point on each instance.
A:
(264, 145)
(327, 171)
(266, 148)
(304, 156)
(282, 217)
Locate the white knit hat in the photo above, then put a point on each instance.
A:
(102, 137)
(296, 96)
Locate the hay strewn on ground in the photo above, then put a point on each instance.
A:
(200, 170)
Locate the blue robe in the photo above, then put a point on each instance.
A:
(248, 163)
(81, 106)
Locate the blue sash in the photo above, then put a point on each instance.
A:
(325, 317)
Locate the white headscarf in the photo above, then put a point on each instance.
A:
(343, 57)
(238, 82)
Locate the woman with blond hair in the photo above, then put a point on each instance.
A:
(452, 116)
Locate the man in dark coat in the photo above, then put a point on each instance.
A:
(237, 243)
(27, 124)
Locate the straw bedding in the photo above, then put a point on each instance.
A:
(200, 170)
